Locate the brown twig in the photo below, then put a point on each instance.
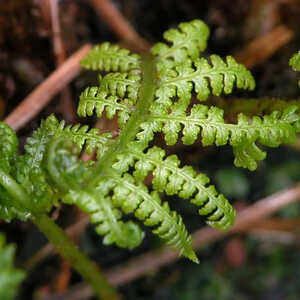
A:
(245, 219)
(265, 46)
(120, 25)
(43, 94)
(71, 231)
(66, 104)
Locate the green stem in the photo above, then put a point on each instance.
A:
(81, 263)
(145, 98)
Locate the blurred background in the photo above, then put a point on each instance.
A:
(263, 261)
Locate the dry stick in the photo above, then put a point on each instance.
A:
(66, 104)
(263, 47)
(156, 259)
(245, 219)
(71, 231)
(119, 24)
(43, 94)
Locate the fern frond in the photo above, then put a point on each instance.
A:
(271, 130)
(295, 62)
(107, 217)
(8, 146)
(29, 172)
(93, 99)
(134, 197)
(170, 178)
(10, 277)
(124, 85)
(188, 41)
(203, 78)
(107, 57)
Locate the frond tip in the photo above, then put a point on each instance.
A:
(134, 197)
(187, 42)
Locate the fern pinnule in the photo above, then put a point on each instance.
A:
(94, 100)
(107, 57)
(124, 85)
(271, 130)
(107, 218)
(203, 78)
(84, 137)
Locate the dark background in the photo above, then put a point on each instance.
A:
(260, 265)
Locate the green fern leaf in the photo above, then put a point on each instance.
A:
(134, 197)
(80, 135)
(93, 99)
(70, 175)
(188, 41)
(270, 131)
(203, 78)
(10, 277)
(107, 57)
(29, 172)
(170, 178)
(124, 85)
(107, 217)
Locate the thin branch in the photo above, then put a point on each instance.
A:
(153, 260)
(119, 24)
(265, 46)
(43, 94)
(66, 104)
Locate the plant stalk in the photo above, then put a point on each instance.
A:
(80, 262)
(63, 244)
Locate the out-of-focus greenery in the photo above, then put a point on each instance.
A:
(10, 277)
(232, 182)
(271, 273)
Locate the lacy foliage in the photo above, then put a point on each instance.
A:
(148, 95)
